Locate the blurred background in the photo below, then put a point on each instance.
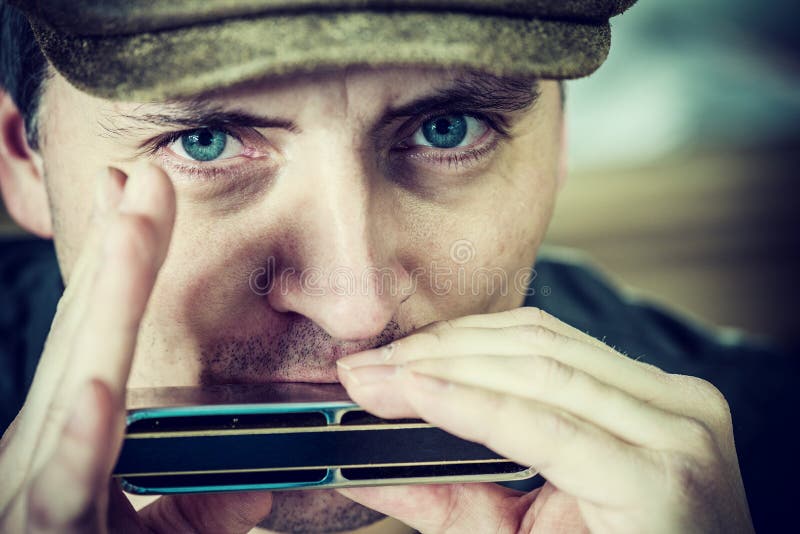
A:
(684, 150)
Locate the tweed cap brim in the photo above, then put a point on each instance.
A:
(188, 60)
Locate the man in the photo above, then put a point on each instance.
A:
(179, 153)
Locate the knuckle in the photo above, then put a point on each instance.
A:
(56, 414)
(708, 390)
(715, 401)
(550, 373)
(76, 509)
(708, 400)
(432, 333)
(699, 438)
(426, 342)
(535, 335)
(438, 326)
(558, 426)
(533, 315)
(40, 513)
(688, 479)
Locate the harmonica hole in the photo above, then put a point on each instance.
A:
(227, 422)
(226, 480)
(422, 471)
(360, 417)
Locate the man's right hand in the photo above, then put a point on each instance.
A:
(57, 456)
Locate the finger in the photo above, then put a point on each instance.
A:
(454, 343)
(378, 389)
(212, 512)
(549, 439)
(73, 302)
(108, 191)
(133, 249)
(555, 384)
(68, 495)
(526, 315)
(27, 426)
(445, 508)
(109, 187)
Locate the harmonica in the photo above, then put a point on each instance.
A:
(286, 436)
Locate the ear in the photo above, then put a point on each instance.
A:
(21, 173)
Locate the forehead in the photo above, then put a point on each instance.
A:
(375, 94)
(297, 89)
(353, 86)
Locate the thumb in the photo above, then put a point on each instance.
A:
(441, 508)
(209, 512)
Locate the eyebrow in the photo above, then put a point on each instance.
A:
(186, 115)
(477, 91)
(474, 91)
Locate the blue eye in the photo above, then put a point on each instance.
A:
(204, 144)
(446, 131)
(449, 131)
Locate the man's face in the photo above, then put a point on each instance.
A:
(312, 222)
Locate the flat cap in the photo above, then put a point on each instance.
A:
(156, 49)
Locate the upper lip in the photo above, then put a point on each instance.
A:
(321, 370)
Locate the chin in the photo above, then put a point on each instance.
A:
(316, 511)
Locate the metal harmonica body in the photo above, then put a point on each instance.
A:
(286, 436)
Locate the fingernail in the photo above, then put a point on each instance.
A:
(371, 374)
(429, 383)
(369, 357)
(135, 195)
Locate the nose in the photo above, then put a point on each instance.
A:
(342, 269)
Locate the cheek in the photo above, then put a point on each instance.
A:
(70, 188)
(505, 245)
(210, 280)
(73, 155)
(518, 209)
(521, 218)
(202, 291)
(475, 257)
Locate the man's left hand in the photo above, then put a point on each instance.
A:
(623, 445)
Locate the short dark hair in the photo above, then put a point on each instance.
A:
(23, 67)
